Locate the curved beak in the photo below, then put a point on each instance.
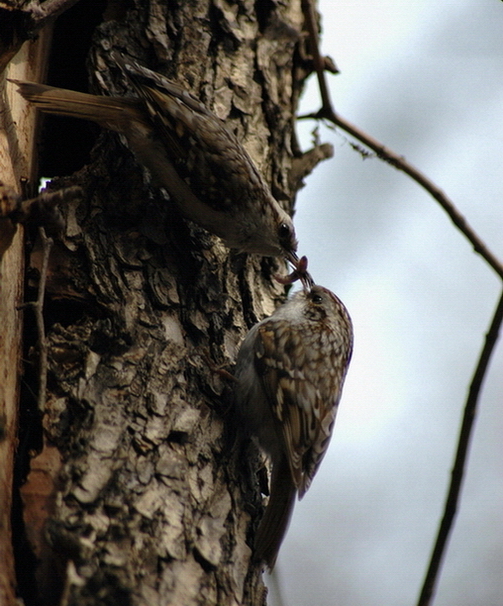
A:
(292, 257)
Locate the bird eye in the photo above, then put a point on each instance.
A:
(284, 232)
(315, 298)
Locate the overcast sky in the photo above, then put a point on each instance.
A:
(426, 79)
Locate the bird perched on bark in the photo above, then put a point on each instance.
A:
(288, 382)
(190, 152)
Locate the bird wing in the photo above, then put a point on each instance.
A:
(206, 152)
(303, 410)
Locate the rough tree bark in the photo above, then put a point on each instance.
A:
(17, 165)
(138, 493)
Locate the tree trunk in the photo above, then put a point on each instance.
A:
(17, 166)
(138, 493)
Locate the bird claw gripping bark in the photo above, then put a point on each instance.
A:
(190, 152)
(289, 376)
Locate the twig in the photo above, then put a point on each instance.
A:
(459, 462)
(318, 62)
(39, 315)
(327, 112)
(43, 208)
(400, 163)
(38, 310)
(388, 155)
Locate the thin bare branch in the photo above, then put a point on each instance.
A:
(318, 61)
(400, 163)
(458, 469)
(39, 315)
(327, 112)
(388, 155)
(46, 201)
(38, 310)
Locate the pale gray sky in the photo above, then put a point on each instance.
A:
(426, 78)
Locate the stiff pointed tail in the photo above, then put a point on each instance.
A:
(274, 524)
(111, 112)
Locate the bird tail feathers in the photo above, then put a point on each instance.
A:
(274, 524)
(107, 111)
